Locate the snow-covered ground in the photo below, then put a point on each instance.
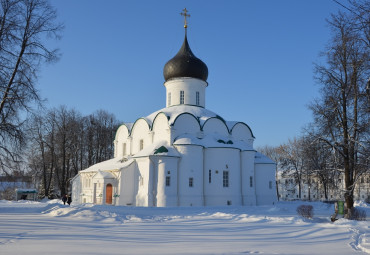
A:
(36, 228)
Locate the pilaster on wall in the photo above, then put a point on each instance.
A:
(248, 172)
(129, 145)
(151, 136)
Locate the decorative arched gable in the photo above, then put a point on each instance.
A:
(160, 128)
(140, 135)
(122, 135)
(215, 125)
(186, 123)
(241, 131)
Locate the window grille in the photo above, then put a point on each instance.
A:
(182, 97)
(225, 179)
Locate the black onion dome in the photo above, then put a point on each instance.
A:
(185, 64)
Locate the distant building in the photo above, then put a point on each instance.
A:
(26, 194)
(181, 155)
(312, 188)
(9, 184)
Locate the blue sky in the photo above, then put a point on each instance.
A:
(259, 54)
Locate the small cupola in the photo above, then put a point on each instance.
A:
(185, 76)
(185, 63)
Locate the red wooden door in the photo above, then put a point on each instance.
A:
(108, 196)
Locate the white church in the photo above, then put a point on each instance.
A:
(181, 155)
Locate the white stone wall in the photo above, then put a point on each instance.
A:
(144, 196)
(121, 138)
(185, 124)
(248, 186)
(163, 167)
(265, 184)
(190, 86)
(215, 126)
(161, 130)
(140, 131)
(128, 187)
(241, 132)
(76, 190)
(86, 189)
(190, 166)
(219, 160)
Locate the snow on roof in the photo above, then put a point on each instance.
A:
(213, 140)
(129, 125)
(103, 175)
(188, 139)
(172, 112)
(262, 159)
(231, 124)
(111, 164)
(157, 149)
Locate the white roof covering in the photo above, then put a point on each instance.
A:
(262, 159)
(201, 113)
(111, 164)
(103, 175)
(173, 112)
(151, 149)
(231, 124)
(129, 125)
(213, 140)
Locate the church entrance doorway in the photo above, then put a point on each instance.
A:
(109, 192)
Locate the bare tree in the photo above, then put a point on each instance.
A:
(341, 114)
(24, 27)
(62, 142)
(41, 152)
(322, 161)
(292, 161)
(100, 132)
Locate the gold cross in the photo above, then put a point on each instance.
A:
(185, 14)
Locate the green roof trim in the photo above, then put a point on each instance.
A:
(27, 191)
(161, 149)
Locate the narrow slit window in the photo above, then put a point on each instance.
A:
(209, 176)
(191, 182)
(141, 144)
(168, 181)
(124, 149)
(169, 99)
(197, 98)
(250, 181)
(182, 97)
(225, 179)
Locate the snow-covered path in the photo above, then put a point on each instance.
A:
(51, 228)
